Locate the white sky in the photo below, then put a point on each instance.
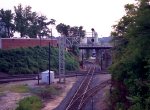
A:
(97, 14)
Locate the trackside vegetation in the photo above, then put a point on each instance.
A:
(131, 65)
(30, 103)
(33, 60)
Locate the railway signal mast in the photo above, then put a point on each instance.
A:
(62, 58)
(65, 42)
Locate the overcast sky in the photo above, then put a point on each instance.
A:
(98, 14)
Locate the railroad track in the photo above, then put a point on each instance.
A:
(14, 78)
(34, 77)
(76, 102)
(90, 93)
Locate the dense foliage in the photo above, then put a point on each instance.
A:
(32, 60)
(131, 65)
(6, 16)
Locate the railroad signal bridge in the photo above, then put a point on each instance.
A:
(101, 51)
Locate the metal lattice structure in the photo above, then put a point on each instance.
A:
(62, 43)
(69, 42)
(65, 42)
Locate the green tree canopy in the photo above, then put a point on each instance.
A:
(69, 31)
(6, 16)
(131, 64)
(22, 17)
(30, 23)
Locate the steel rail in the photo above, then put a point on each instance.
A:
(83, 86)
(82, 97)
(73, 98)
(92, 92)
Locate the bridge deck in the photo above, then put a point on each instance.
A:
(94, 47)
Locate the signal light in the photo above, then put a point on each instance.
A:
(92, 40)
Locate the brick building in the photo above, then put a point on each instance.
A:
(11, 43)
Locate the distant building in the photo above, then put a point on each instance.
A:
(11, 43)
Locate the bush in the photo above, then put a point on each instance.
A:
(33, 60)
(30, 103)
(46, 92)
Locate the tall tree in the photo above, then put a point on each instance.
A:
(6, 16)
(120, 33)
(131, 67)
(33, 28)
(77, 31)
(43, 26)
(63, 29)
(22, 17)
(69, 31)
(2, 30)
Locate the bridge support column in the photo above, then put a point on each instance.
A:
(97, 56)
(81, 57)
(88, 53)
(106, 59)
(0, 43)
(101, 59)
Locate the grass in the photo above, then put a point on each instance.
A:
(24, 88)
(2, 94)
(46, 92)
(19, 88)
(14, 88)
(53, 90)
(2, 88)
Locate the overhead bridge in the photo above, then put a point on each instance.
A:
(102, 53)
(89, 47)
(94, 47)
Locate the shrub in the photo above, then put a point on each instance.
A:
(32, 60)
(30, 103)
(46, 92)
